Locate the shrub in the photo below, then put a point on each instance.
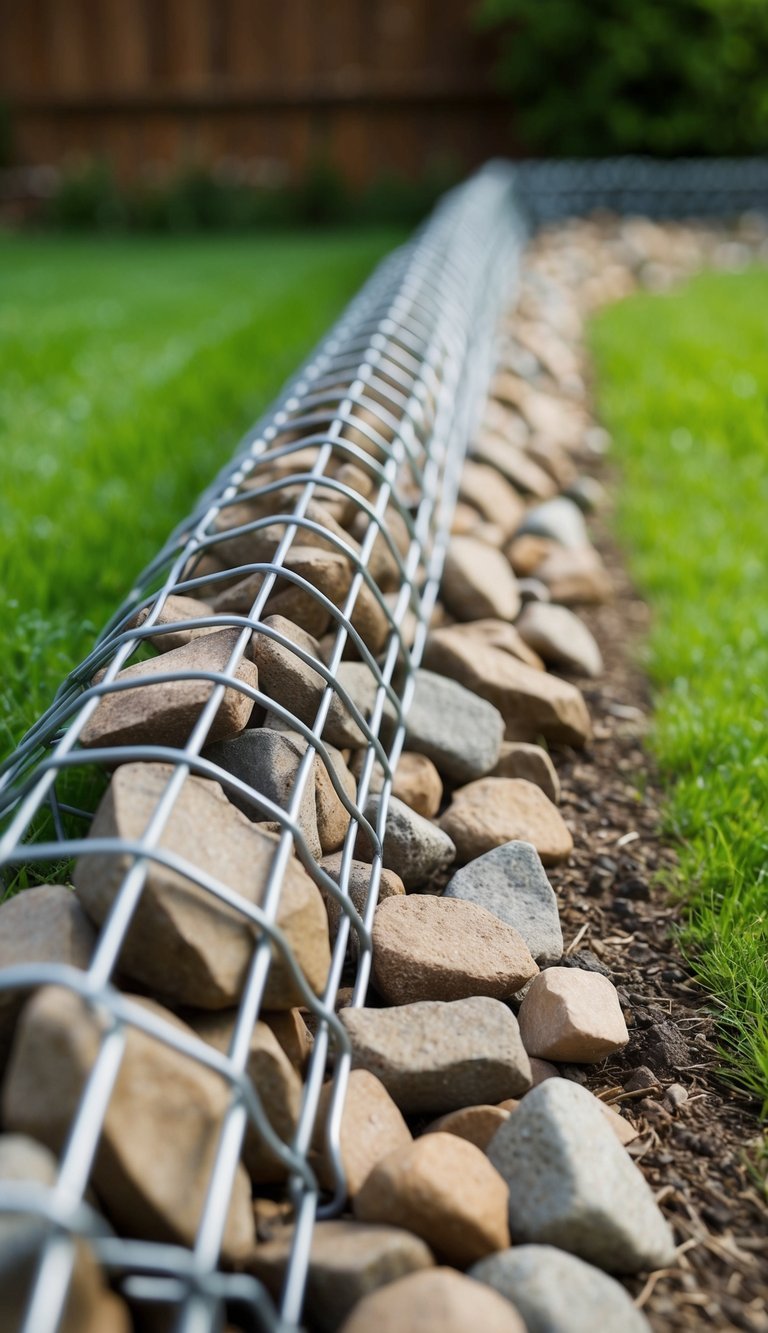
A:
(668, 77)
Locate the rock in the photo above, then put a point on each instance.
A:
(438, 1299)
(587, 492)
(541, 1070)
(560, 520)
(557, 1293)
(476, 1124)
(532, 703)
(492, 811)
(443, 1189)
(510, 882)
(390, 884)
(500, 634)
(560, 637)
(477, 582)
(328, 571)
(299, 687)
(359, 682)
(513, 464)
(413, 847)
(533, 590)
(491, 495)
(90, 1307)
(165, 714)
(572, 1015)
(268, 761)
(175, 609)
(292, 1033)
(331, 813)
(623, 1129)
(520, 759)
(427, 948)
(371, 1128)
(182, 942)
(39, 925)
(348, 1261)
(276, 1082)
(161, 1128)
(434, 1056)
(417, 784)
(526, 553)
(458, 731)
(572, 1184)
(575, 577)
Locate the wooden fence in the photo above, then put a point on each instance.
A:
(373, 86)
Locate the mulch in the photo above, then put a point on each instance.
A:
(698, 1151)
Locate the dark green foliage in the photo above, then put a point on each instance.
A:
(666, 77)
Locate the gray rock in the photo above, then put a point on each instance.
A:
(559, 519)
(414, 848)
(511, 882)
(436, 1056)
(557, 1293)
(587, 492)
(574, 1186)
(268, 761)
(460, 732)
(558, 636)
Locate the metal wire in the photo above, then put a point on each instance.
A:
(395, 388)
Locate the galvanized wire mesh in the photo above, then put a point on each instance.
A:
(394, 390)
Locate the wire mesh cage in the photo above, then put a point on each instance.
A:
(265, 660)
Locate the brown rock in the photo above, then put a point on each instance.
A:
(509, 1104)
(40, 925)
(371, 1128)
(541, 1070)
(292, 1033)
(500, 634)
(514, 464)
(465, 519)
(275, 1081)
(348, 1261)
(520, 759)
(569, 1014)
(438, 1056)
(390, 885)
(439, 1299)
(526, 553)
(161, 1128)
(532, 703)
(328, 571)
(476, 1124)
(427, 948)
(176, 609)
(492, 811)
(182, 942)
(417, 783)
(445, 1190)
(574, 576)
(330, 812)
(286, 678)
(478, 582)
(562, 639)
(165, 714)
(491, 495)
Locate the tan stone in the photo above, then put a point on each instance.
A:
(165, 714)
(465, 519)
(348, 1261)
(532, 703)
(260, 544)
(176, 609)
(292, 1033)
(492, 811)
(520, 759)
(500, 634)
(328, 571)
(509, 1104)
(183, 942)
(371, 1128)
(40, 925)
(161, 1128)
(570, 1014)
(390, 885)
(574, 576)
(417, 783)
(331, 813)
(443, 1189)
(478, 582)
(476, 1124)
(427, 948)
(440, 1299)
(299, 687)
(623, 1129)
(562, 639)
(512, 462)
(492, 496)
(527, 552)
(275, 1081)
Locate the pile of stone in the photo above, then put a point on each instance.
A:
(483, 1186)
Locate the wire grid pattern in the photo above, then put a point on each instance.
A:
(395, 388)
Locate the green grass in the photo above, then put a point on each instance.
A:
(128, 371)
(683, 387)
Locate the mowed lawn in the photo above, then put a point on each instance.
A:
(129, 368)
(683, 387)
